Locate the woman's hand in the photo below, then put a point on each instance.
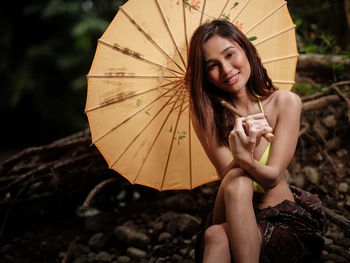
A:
(246, 135)
(259, 122)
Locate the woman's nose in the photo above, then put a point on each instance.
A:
(226, 67)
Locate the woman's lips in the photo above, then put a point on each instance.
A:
(232, 79)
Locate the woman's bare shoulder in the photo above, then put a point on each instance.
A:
(286, 99)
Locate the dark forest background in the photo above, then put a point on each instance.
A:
(47, 48)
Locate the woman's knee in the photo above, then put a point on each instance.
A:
(237, 183)
(216, 235)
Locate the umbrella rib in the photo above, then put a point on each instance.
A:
(279, 59)
(154, 141)
(189, 147)
(266, 17)
(139, 134)
(135, 55)
(148, 37)
(132, 76)
(185, 25)
(275, 35)
(171, 35)
(222, 11)
(202, 13)
(239, 13)
(125, 98)
(127, 119)
(171, 145)
(283, 81)
(182, 109)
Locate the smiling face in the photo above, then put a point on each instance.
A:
(226, 63)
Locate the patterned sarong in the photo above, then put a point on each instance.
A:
(292, 232)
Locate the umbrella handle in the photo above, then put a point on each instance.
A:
(268, 136)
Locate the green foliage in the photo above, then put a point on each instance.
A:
(321, 25)
(304, 89)
(47, 49)
(323, 44)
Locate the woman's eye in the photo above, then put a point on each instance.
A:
(212, 66)
(229, 55)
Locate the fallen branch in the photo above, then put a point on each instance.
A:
(317, 62)
(341, 221)
(70, 250)
(94, 191)
(342, 95)
(320, 103)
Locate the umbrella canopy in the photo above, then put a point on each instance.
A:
(137, 104)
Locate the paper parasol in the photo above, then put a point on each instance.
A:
(137, 103)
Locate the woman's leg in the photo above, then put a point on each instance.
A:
(216, 245)
(235, 206)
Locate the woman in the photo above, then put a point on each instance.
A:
(255, 216)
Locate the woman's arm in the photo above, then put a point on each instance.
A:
(288, 105)
(220, 156)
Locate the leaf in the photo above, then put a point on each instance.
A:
(226, 17)
(253, 38)
(234, 5)
(181, 137)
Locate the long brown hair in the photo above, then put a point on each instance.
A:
(204, 95)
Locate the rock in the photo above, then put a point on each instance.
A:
(136, 253)
(341, 170)
(208, 191)
(184, 251)
(344, 242)
(168, 216)
(297, 180)
(192, 253)
(334, 143)
(327, 241)
(337, 258)
(103, 256)
(157, 226)
(347, 201)
(188, 225)
(132, 237)
(318, 157)
(179, 202)
(176, 258)
(329, 121)
(164, 236)
(342, 152)
(343, 187)
(99, 240)
(121, 233)
(312, 175)
(171, 227)
(123, 259)
(137, 239)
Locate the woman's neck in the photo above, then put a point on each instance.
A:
(245, 102)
